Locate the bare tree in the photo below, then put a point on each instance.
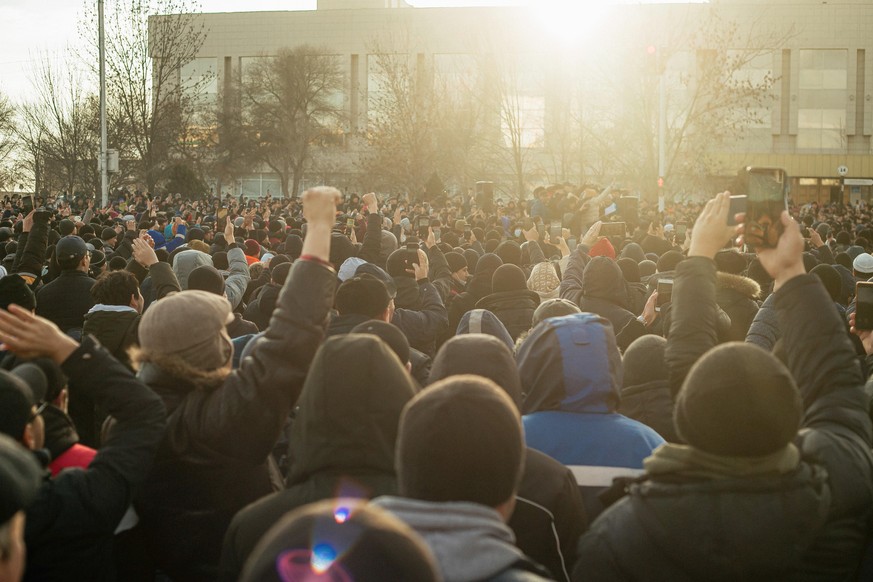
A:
(148, 42)
(57, 129)
(290, 107)
(7, 142)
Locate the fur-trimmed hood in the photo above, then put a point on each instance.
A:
(742, 285)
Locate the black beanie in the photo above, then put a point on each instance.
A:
(738, 401)
(108, 234)
(362, 295)
(841, 259)
(730, 262)
(630, 270)
(460, 440)
(491, 245)
(647, 268)
(14, 289)
(219, 261)
(809, 262)
(456, 261)
(194, 234)
(398, 262)
(66, 227)
(509, 251)
(488, 263)
(555, 307)
(341, 248)
(472, 258)
(669, 260)
(644, 361)
(830, 279)
(508, 278)
(206, 278)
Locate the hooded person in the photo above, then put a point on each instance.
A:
(260, 309)
(571, 375)
(602, 290)
(511, 300)
(342, 439)
(460, 457)
(208, 278)
(645, 392)
(478, 286)
(766, 486)
(737, 295)
(369, 545)
(548, 517)
(223, 424)
(483, 321)
(633, 251)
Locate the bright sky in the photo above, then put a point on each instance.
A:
(32, 26)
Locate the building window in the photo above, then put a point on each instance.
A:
(199, 79)
(821, 114)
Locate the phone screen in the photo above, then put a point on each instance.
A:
(665, 293)
(350, 222)
(681, 229)
(555, 232)
(766, 199)
(613, 229)
(541, 229)
(864, 305)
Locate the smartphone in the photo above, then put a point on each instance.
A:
(681, 229)
(350, 222)
(738, 205)
(412, 250)
(766, 191)
(571, 244)
(554, 232)
(665, 293)
(541, 229)
(222, 213)
(423, 225)
(864, 305)
(436, 234)
(613, 229)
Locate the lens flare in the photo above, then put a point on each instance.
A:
(323, 556)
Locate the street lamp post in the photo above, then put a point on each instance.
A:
(104, 168)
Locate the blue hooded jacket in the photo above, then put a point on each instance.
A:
(571, 375)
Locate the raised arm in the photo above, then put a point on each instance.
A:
(693, 310)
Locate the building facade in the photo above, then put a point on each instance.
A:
(816, 122)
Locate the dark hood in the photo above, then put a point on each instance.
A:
(349, 409)
(705, 526)
(267, 297)
(602, 279)
(736, 287)
(481, 355)
(633, 251)
(483, 321)
(110, 327)
(571, 364)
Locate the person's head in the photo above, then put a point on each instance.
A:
(20, 479)
(365, 295)
(118, 288)
(555, 307)
(21, 405)
(279, 273)
(109, 236)
(15, 290)
(508, 277)
(478, 354)
(461, 440)
(185, 335)
(391, 335)
(862, 266)
(206, 278)
(340, 539)
(458, 267)
(738, 401)
(72, 254)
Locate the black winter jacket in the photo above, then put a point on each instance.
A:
(514, 309)
(213, 458)
(66, 300)
(812, 524)
(597, 287)
(736, 296)
(69, 529)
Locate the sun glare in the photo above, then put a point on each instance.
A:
(570, 21)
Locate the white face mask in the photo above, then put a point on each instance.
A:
(517, 232)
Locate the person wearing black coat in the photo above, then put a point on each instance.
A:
(549, 516)
(342, 438)
(67, 299)
(223, 424)
(597, 287)
(510, 300)
(645, 392)
(69, 528)
(750, 497)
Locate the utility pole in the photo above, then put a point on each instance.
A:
(104, 165)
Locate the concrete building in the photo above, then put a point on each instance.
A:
(817, 124)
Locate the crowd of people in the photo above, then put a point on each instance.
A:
(579, 387)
